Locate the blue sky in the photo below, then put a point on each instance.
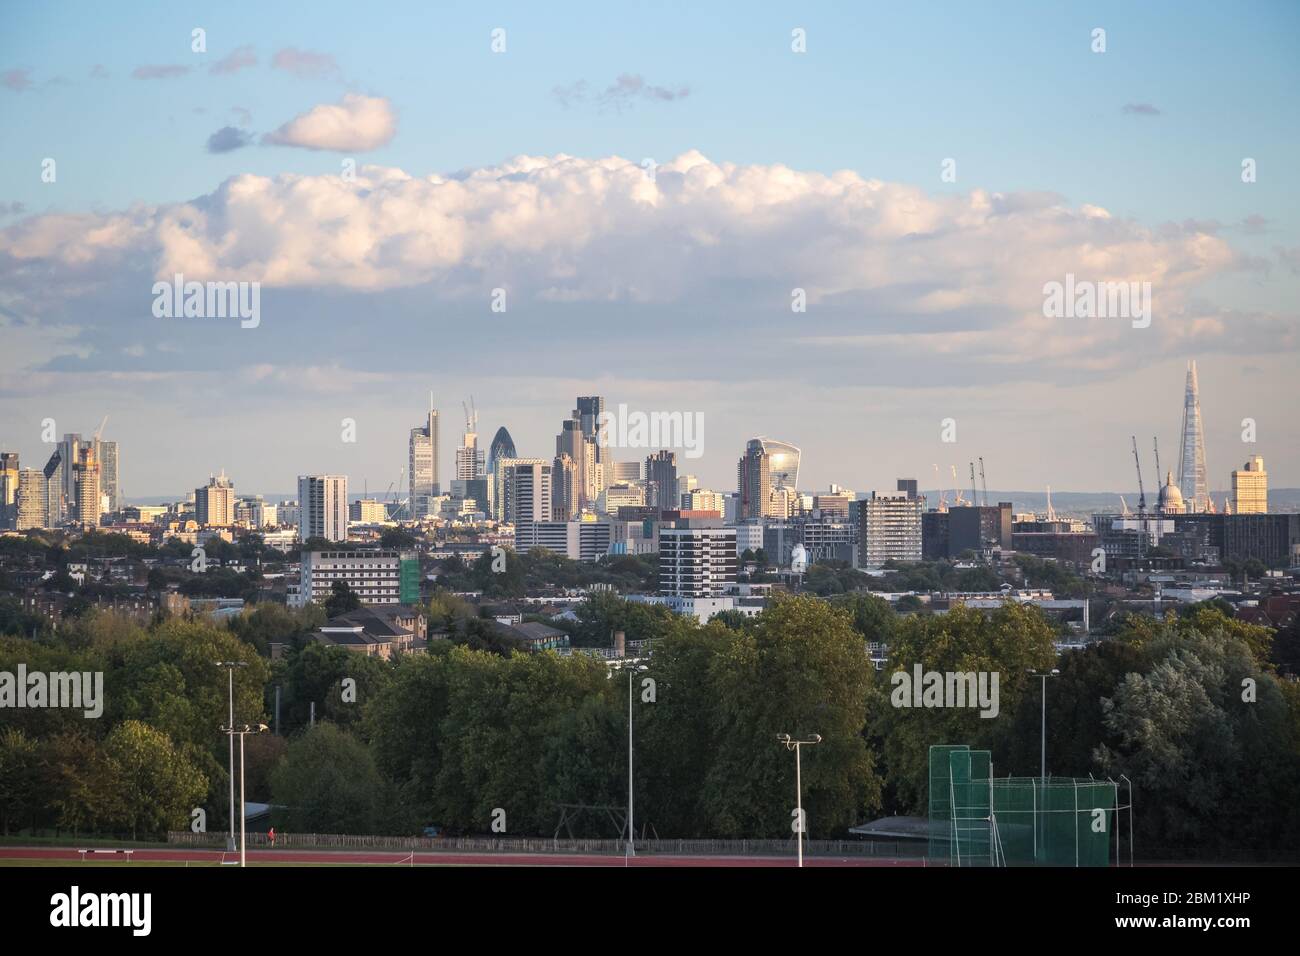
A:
(1154, 131)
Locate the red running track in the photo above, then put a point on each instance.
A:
(396, 857)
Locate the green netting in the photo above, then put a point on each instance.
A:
(977, 819)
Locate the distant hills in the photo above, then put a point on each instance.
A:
(1087, 503)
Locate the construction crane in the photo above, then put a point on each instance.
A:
(943, 495)
(100, 430)
(974, 492)
(1142, 495)
(1123, 507)
(1155, 442)
(984, 482)
(1051, 512)
(956, 489)
(471, 416)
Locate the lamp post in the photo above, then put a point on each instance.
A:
(1042, 677)
(243, 835)
(230, 670)
(792, 744)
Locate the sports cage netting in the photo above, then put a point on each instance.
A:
(977, 819)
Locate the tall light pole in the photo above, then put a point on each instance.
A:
(243, 835)
(230, 670)
(792, 744)
(632, 669)
(1042, 678)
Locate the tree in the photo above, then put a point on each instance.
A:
(1010, 642)
(19, 779)
(341, 600)
(328, 783)
(158, 785)
(1190, 730)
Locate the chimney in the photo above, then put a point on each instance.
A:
(620, 644)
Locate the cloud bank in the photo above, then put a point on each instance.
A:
(357, 124)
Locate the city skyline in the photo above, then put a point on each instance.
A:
(633, 223)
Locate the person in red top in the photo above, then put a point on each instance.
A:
(271, 836)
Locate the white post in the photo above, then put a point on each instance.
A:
(243, 836)
(231, 725)
(631, 830)
(798, 800)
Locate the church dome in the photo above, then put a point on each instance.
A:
(1171, 498)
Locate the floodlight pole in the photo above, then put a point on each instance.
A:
(1042, 677)
(792, 744)
(230, 671)
(631, 830)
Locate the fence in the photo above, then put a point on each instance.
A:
(333, 841)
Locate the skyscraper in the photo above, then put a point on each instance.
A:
(32, 499)
(323, 507)
(8, 488)
(581, 447)
(1192, 480)
(661, 481)
(753, 482)
(782, 462)
(106, 454)
(86, 472)
(423, 463)
(526, 490)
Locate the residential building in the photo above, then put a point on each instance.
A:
(377, 577)
(1250, 488)
(889, 530)
(214, 503)
(323, 504)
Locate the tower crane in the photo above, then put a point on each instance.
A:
(984, 482)
(1142, 495)
(974, 492)
(943, 495)
(956, 489)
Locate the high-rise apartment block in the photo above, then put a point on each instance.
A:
(214, 503)
(1250, 488)
(323, 507)
(889, 529)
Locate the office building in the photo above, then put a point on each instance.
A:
(577, 540)
(618, 495)
(625, 471)
(701, 499)
(782, 462)
(423, 464)
(323, 507)
(661, 481)
(1250, 488)
(9, 478)
(1192, 476)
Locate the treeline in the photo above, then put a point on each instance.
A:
(1189, 708)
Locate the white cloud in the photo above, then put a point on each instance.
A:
(882, 263)
(357, 124)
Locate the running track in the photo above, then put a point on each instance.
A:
(72, 856)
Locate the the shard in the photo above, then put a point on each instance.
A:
(1191, 458)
